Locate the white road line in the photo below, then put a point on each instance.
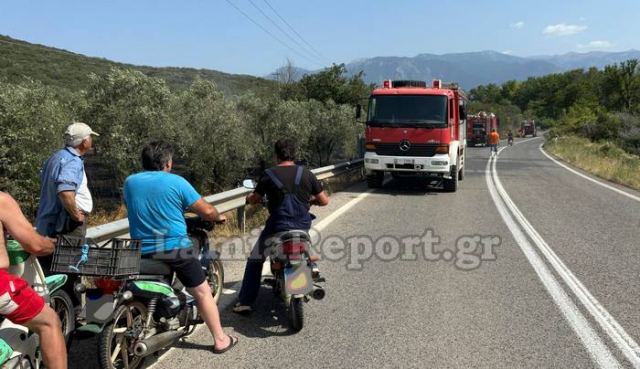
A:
(607, 186)
(343, 209)
(607, 322)
(591, 341)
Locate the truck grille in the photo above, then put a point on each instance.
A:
(389, 149)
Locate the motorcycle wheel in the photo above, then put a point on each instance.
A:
(296, 314)
(61, 303)
(215, 278)
(114, 343)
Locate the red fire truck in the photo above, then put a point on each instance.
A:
(479, 126)
(415, 129)
(528, 127)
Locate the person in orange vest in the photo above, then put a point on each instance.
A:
(494, 139)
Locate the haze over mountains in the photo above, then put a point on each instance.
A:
(477, 68)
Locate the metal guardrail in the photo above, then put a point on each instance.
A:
(223, 201)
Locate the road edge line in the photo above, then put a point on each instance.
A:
(598, 182)
(593, 343)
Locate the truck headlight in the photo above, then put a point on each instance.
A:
(371, 161)
(439, 163)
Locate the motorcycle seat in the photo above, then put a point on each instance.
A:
(154, 267)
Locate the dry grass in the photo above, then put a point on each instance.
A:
(108, 214)
(605, 160)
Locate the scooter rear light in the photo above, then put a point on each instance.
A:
(289, 248)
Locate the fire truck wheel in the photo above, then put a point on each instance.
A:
(451, 185)
(461, 173)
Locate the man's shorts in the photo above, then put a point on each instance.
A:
(18, 302)
(185, 263)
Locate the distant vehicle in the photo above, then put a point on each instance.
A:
(479, 126)
(415, 129)
(528, 127)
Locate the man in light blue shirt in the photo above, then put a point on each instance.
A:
(156, 201)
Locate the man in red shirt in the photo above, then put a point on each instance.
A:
(18, 302)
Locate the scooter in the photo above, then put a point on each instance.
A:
(20, 348)
(148, 310)
(293, 280)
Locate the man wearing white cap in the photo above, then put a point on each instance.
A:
(65, 199)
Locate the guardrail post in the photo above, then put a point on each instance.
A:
(241, 214)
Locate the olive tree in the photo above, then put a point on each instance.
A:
(33, 122)
(128, 109)
(212, 140)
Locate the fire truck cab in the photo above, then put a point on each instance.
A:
(418, 130)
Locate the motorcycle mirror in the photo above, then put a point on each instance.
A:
(249, 183)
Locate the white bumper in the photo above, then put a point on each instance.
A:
(438, 164)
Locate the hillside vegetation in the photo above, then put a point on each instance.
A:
(220, 137)
(58, 68)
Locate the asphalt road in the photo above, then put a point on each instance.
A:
(528, 266)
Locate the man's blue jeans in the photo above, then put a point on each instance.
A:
(253, 270)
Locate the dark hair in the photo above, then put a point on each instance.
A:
(285, 149)
(156, 155)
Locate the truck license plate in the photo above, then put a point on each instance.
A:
(404, 161)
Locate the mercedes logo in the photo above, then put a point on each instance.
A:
(405, 145)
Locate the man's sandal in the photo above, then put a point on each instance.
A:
(232, 342)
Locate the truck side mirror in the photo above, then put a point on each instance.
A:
(358, 111)
(463, 112)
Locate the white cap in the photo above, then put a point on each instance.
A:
(76, 132)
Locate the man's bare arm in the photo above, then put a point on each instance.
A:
(254, 198)
(321, 199)
(207, 211)
(20, 229)
(68, 199)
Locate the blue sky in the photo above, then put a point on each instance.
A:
(213, 34)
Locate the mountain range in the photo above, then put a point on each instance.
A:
(476, 68)
(20, 60)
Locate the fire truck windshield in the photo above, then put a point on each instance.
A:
(408, 111)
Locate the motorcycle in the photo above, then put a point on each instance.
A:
(293, 280)
(20, 348)
(510, 141)
(147, 311)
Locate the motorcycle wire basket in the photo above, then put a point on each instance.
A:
(117, 257)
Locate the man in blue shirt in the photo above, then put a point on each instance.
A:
(65, 200)
(156, 201)
(64, 196)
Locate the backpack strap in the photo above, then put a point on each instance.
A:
(299, 171)
(274, 179)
